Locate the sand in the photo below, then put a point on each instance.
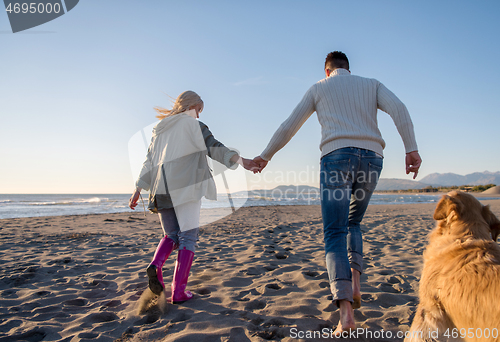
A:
(258, 275)
(492, 191)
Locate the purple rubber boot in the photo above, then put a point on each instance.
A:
(181, 275)
(155, 274)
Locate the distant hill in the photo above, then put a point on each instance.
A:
(285, 191)
(385, 184)
(453, 179)
(295, 188)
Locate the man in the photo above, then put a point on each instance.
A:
(351, 162)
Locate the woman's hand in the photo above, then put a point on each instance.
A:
(132, 203)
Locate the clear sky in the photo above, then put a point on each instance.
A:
(75, 90)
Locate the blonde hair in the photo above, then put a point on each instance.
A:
(182, 103)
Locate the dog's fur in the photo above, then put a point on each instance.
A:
(460, 283)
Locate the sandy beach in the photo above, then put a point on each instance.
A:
(258, 275)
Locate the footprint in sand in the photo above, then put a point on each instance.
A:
(101, 317)
(392, 321)
(9, 293)
(33, 335)
(88, 335)
(388, 288)
(181, 317)
(387, 300)
(237, 282)
(255, 305)
(203, 291)
(98, 293)
(281, 255)
(252, 271)
(312, 274)
(150, 318)
(112, 304)
(242, 296)
(366, 297)
(75, 302)
(392, 280)
(386, 272)
(257, 320)
(271, 267)
(324, 285)
(273, 286)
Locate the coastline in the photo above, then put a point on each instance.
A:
(26, 205)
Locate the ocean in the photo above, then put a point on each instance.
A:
(12, 206)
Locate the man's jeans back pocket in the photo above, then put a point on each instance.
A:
(336, 173)
(374, 170)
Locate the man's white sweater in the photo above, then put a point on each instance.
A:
(346, 106)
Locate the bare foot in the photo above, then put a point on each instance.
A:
(346, 322)
(356, 289)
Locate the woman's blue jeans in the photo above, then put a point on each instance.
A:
(348, 178)
(171, 229)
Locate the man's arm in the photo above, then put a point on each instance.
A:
(290, 126)
(389, 103)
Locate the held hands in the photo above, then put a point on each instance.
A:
(250, 165)
(413, 162)
(261, 162)
(255, 165)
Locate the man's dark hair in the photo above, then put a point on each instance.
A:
(336, 59)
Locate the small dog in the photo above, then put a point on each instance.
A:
(460, 284)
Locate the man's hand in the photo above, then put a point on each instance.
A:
(413, 162)
(261, 162)
(250, 165)
(132, 203)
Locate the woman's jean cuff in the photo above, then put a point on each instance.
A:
(341, 290)
(356, 261)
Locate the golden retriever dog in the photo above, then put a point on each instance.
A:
(460, 284)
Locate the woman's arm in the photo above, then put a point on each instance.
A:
(225, 156)
(144, 180)
(216, 149)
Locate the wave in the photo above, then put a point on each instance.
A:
(78, 201)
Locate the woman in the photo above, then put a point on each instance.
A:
(177, 175)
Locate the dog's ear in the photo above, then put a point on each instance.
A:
(492, 221)
(446, 205)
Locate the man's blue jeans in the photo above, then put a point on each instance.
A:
(348, 178)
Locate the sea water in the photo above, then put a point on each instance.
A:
(12, 206)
